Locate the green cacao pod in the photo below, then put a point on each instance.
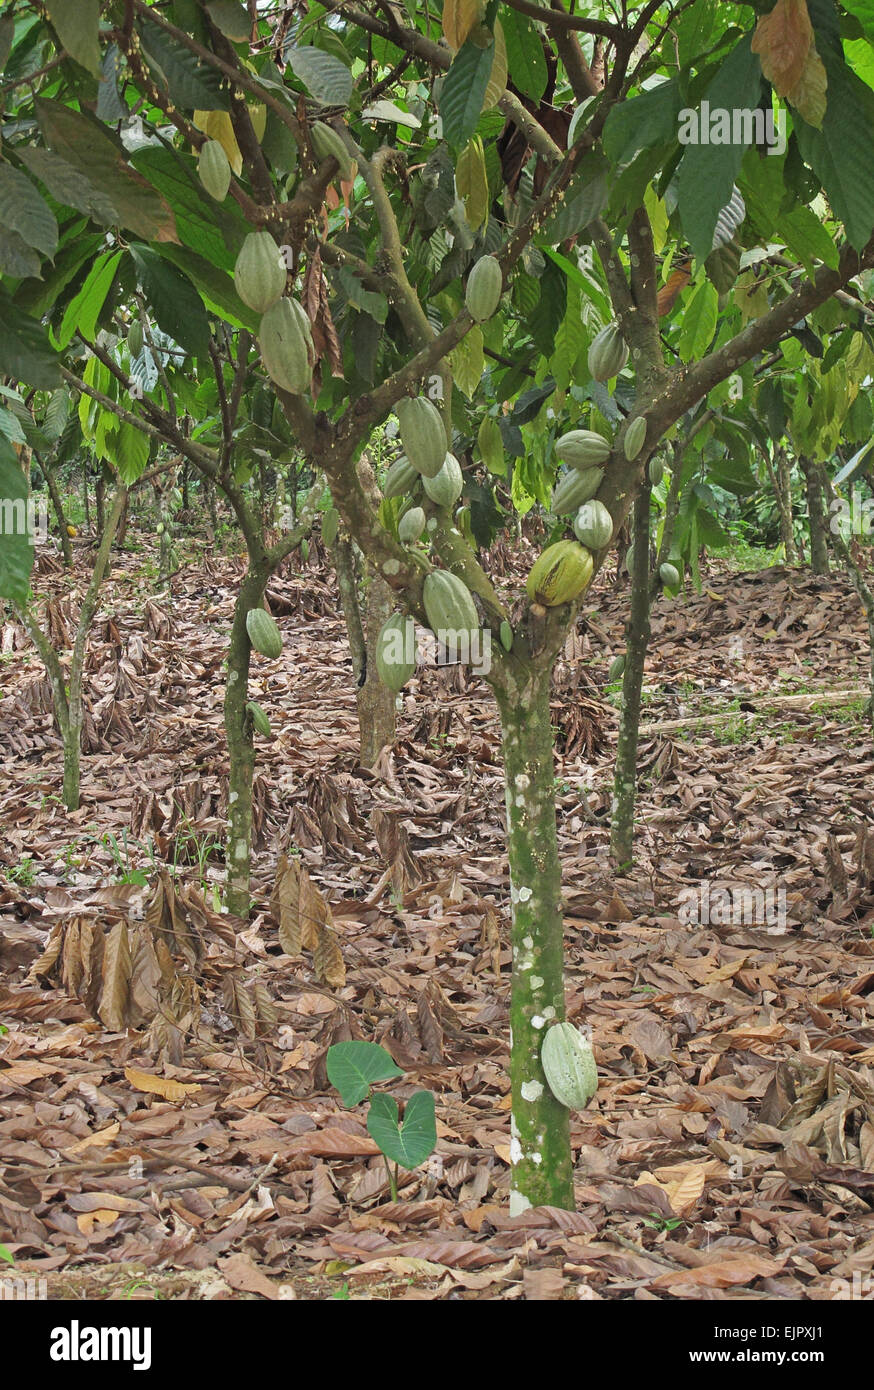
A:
(259, 718)
(399, 478)
(423, 434)
(669, 575)
(411, 525)
(304, 550)
(286, 347)
(506, 635)
(617, 667)
(575, 488)
(608, 353)
(445, 487)
(629, 559)
(462, 521)
(569, 1065)
(263, 633)
(329, 145)
(583, 449)
(396, 651)
(634, 438)
(259, 274)
(560, 574)
(330, 525)
(483, 292)
(135, 338)
(656, 471)
(594, 525)
(448, 604)
(214, 170)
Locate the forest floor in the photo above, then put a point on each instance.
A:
(729, 1150)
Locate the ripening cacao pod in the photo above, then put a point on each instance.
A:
(286, 344)
(575, 488)
(617, 667)
(560, 574)
(594, 525)
(411, 525)
(259, 718)
(396, 651)
(608, 353)
(330, 525)
(482, 294)
(263, 633)
(669, 575)
(656, 471)
(569, 1065)
(445, 487)
(448, 604)
(423, 434)
(583, 449)
(135, 338)
(259, 273)
(214, 170)
(399, 478)
(634, 438)
(329, 145)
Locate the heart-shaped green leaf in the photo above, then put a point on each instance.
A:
(408, 1144)
(354, 1066)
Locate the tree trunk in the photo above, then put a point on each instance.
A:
(58, 506)
(542, 1170)
(844, 552)
(816, 514)
(783, 493)
(636, 643)
(241, 745)
(377, 717)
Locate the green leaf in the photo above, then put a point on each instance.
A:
(86, 144)
(131, 452)
(325, 77)
(16, 551)
(353, 1067)
(23, 209)
(17, 259)
(409, 1144)
(525, 59)
(463, 92)
(699, 322)
(77, 24)
(25, 354)
(707, 173)
(230, 17)
(190, 83)
(468, 362)
(67, 185)
(650, 119)
(7, 35)
(213, 230)
(807, 238)
(177, 306)
(84, 308)
(840, 152)
(215, 286)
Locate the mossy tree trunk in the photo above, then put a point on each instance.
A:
(364, 615)
(58, 508)
(542, 1170)
(816, 516)
(241, 744)
(636, 642)
(844, 552)
(783, 495)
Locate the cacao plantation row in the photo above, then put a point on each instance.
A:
(434, 495)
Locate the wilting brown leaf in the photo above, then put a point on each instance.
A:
(782, 40)
(160, 1085)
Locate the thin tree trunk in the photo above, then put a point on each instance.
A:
(672, 502)
(58, 505)
(241, 745)
(816, 514)
(783, 494)
(636, 643)
(542, 1170)
(844, 552)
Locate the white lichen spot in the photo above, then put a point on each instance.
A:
(522, 782)
(514, 1128)
(431, 524)
(518, 1202)
(524, 895)
(526, 964)
(241, 850)
(549, 1012)
(391, 567)
(514, 898)
(528, 943)
(515, 1151)
(233, 676)
(520, 801)
(536, 982)
(234, 796)
(536, 1158)
(532, 1090)
(537, 1021)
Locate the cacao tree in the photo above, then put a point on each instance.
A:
(386, 153)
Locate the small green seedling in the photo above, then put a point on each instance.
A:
(353, 1067)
